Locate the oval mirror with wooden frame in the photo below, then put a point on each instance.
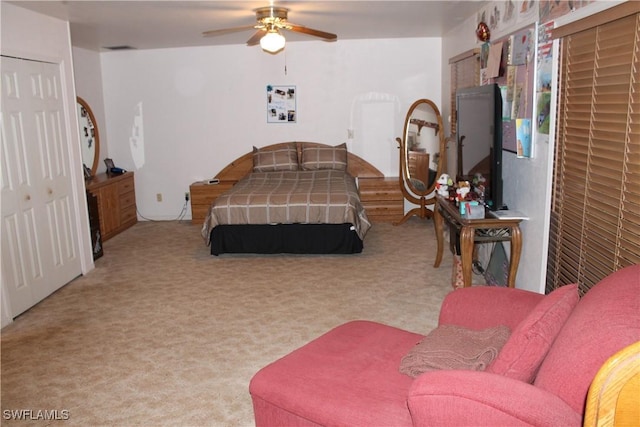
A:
(89, 136)
(422, 156)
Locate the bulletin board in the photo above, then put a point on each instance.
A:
(509, 62)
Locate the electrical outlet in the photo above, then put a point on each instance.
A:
(159, 197)
(186, 196)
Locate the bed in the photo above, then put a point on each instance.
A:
(290, 197)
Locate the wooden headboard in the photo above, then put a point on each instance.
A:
(243, 165)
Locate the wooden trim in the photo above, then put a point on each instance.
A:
(608, 15)
(613, 394)
(464, 55)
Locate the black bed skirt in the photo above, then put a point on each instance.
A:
(285, 238)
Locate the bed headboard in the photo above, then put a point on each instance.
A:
(240, 167)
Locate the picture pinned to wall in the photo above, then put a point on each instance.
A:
(523, 137)
(281, 104)
(544, 78)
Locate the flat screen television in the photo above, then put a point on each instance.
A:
(479, 135)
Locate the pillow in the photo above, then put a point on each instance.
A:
(317, 157)
(454, 347)
(529, 343)
(278, 159)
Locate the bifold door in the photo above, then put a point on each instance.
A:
(39, 250)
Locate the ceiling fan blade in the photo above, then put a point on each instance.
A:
(255, 38)
(212, 33)
(330, 37)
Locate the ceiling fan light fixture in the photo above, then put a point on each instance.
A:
(272, 42)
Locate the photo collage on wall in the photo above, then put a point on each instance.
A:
(508, 61)
(281, 104)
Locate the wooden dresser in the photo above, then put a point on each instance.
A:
(202, 195)
(382, 198)
(418, 163)
(116, 202)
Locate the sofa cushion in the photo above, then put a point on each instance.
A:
(606, 320)
(529, 343)
(348, 376)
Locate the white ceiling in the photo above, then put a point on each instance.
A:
(163, 24)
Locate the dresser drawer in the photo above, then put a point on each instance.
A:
(127, 199)
(125, 185)
(383, 205)
(381, 195)
(128, 215)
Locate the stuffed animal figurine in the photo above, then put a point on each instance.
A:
(442, 185)
(463, 189)
(479, 182)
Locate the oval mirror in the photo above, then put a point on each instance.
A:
(89, 137)
(422, 156)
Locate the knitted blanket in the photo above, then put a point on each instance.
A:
(455, 347)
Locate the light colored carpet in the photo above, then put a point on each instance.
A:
(163, 333)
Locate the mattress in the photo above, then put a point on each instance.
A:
(290, 197)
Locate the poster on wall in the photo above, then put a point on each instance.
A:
(543, 82)
(281, 104)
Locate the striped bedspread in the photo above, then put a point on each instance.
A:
(289, 197)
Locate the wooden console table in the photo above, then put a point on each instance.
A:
(489, 229)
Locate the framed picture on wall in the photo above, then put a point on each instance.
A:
(281, 104)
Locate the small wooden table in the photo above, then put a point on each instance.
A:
(488, 229)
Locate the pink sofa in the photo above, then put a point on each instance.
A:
(350, 375)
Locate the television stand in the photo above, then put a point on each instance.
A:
(488, 229)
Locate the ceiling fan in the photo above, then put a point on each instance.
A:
(271, 20)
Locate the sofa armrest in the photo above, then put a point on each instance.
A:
(481, 307)
(480, 398)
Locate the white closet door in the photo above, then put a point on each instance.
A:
(39, 250)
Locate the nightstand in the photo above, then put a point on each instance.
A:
(203, 195)
(382, 198)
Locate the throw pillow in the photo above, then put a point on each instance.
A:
(454, 347)
(278, 159)
(529, 343)
(317, 157)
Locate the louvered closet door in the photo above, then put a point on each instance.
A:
(39, 250)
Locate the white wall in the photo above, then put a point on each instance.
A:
(30, 35)
(175, 116)
(88, 80)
